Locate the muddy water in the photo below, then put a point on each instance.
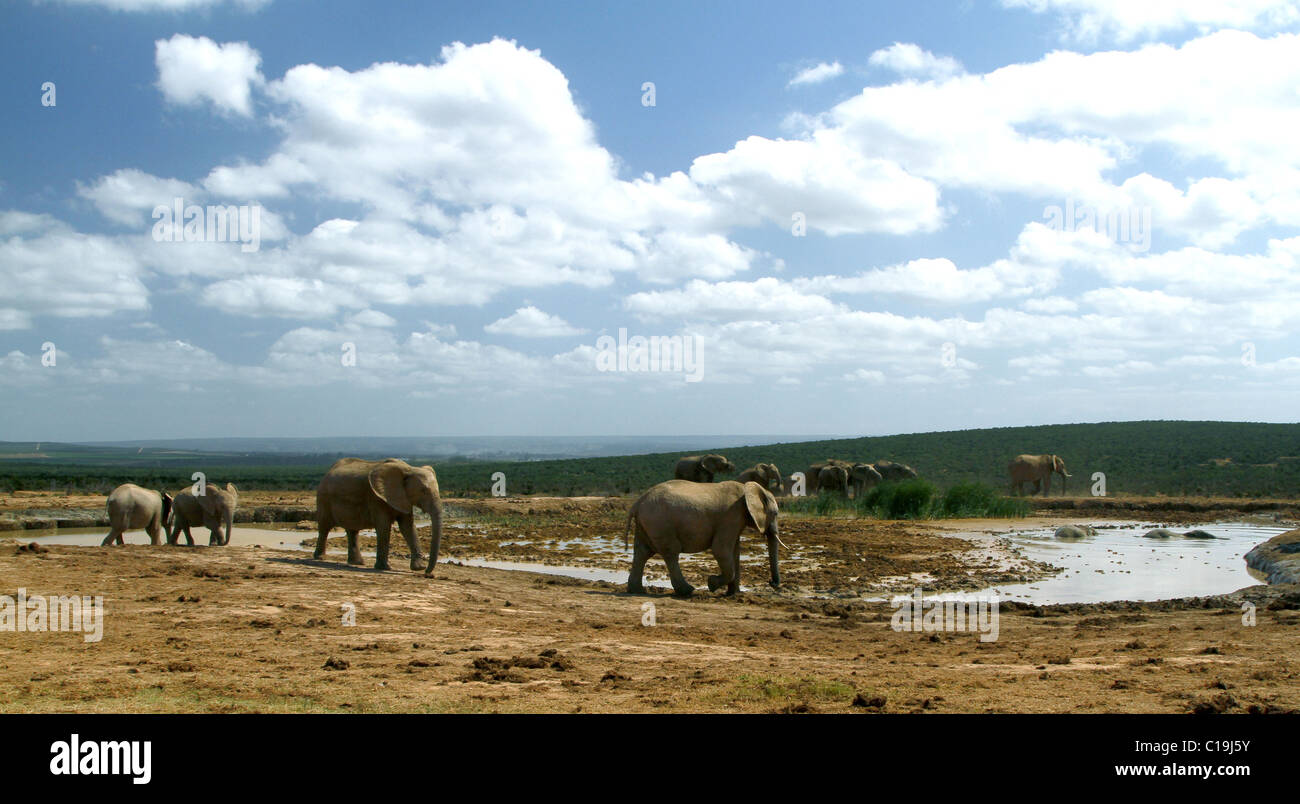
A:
(270, 535)
(1119, 564)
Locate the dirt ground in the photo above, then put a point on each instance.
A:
(250, 629)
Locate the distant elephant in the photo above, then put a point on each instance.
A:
(812, 476)
(701, 469)
(1036, 469)
(1075, 532)
(214, 509)
(895, 471)
(1166, 533)
(764, 474)
(677, 517)
(131, 507)
(357, 494)
(863, 476)
(834, 478)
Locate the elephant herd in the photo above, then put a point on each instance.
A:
(161, 514)
(1085, 531)
(832, 474)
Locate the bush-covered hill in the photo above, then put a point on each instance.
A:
(1155, 457)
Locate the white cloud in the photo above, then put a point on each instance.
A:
(128, 196)
(193, 69)
(530, 322)
(1125, 20)
(817, 74)
(912, 61)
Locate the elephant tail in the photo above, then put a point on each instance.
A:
(631, 517)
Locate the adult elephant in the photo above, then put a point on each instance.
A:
(889, 470)
(678, 516)
(1075, 532)
(1036, 469)
(702, 468)
(764, 474)
(131, 507)
(214, 509)
(356, 494)
(863, 476)
(834, 478)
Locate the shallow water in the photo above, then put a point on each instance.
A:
(268, 535)
(1119, 564)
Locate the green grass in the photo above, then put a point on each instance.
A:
(757, 689)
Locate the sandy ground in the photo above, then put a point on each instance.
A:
(250, 629)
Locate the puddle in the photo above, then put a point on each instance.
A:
(1119, 564)
(272, 535)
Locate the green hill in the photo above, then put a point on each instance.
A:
(1156, 457)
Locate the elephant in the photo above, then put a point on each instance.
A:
(357, 493)
(1036, 469)
(894, 471)
(834, 477)
(701, 469)
(863, 476)
(214, 509)
(678, 516)
(812, 476)
(1166, 533)
(130, 507)
(764, 474)
(1075, 532)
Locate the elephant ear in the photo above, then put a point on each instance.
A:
(387, 481)
(231, 490)
(756, 505)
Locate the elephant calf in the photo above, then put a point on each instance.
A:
(701, 469)
(214, 509)
(680, 516)
(130, 507)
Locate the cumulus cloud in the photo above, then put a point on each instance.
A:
(1125, 21)
(194, 69)
(530, 322)
(912, 61)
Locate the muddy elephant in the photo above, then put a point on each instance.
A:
(214, 509)
(1075, 532)
(1036, 469)
(863, 476)
(1166, 533)
(764, 474)
(678, 516)
(357, 494)
(834, 478)
(131, 507)
(889, 470)
(702, 468)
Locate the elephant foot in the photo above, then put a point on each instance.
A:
(685, 590)
(381, 566)
(715, 581)
(417, 564)
(318, 554)
(635, 588)
(733, 589)
(356, 560)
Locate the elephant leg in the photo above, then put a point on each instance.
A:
(680, 587)
(155, 533)
(189, 537)
(407, 524)
(354, 549)
(323, 528)
(727, 556)
(114, 535)
(383, 532)
(640, 553)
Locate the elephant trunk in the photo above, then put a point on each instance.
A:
(230, 525)
(434, 507)
(771, 558)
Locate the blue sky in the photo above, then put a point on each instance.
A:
(844, 207)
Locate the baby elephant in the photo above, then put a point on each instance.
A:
(679, 516)
(1075, 532)
(130, 507)
(214, 509)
